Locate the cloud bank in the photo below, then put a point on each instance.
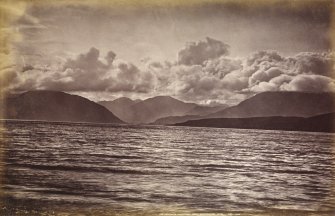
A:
(203, 73)
(87, 73)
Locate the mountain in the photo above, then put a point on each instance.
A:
(56, 106)
(147, 111)
(205, 110)
(170, 120)
(163, 108)
(301, 104)
(196, 112)
(151, 109)
(121, 107)
(319, 123)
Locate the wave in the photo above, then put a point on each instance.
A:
(84, 169)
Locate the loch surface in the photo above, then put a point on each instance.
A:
(157, 167)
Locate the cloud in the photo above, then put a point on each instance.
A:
(203, 74)
(130, 78)
(222, 66)
(88, 61)
(310, 83)
(110, 57)
(197, 83)
(268, 71)
(27, 68)
(223, 77)
(85, 73)
(235, 81)
(312, 63)
(229, 79)
(195, 53)
(264, 75)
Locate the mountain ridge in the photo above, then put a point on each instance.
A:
(151, 109)
(318, 123)
(301, 104)
(55, 106)
(121, 107)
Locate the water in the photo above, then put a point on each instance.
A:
(153, 167)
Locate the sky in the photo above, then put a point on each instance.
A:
(208, 53)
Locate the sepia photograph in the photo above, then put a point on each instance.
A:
(167, 107)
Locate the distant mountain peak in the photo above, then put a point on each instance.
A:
(161, 97)
(149, 110)
(123, 99)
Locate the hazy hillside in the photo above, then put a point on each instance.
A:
(151, 109)
(175, 119)
(196, 113)
(157, 110)
(121, 107)
(280, 104)
(56, 106)
(205, 110)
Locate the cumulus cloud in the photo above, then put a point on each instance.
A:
(222, 66)
(87, 72)
(110, 57)
(222, 78)
(312, 63)
(198, 52)
(264, 75)
(203, 73)
(268, 71)
(310, 83)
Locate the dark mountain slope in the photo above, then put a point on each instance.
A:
(319, 123)
(56, 106)
(280, 104)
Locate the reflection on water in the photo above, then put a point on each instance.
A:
(148, 167)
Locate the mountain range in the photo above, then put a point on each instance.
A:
(319, 123)
(301, 104)
(260, 109)
(152, 109)
(121, 107)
